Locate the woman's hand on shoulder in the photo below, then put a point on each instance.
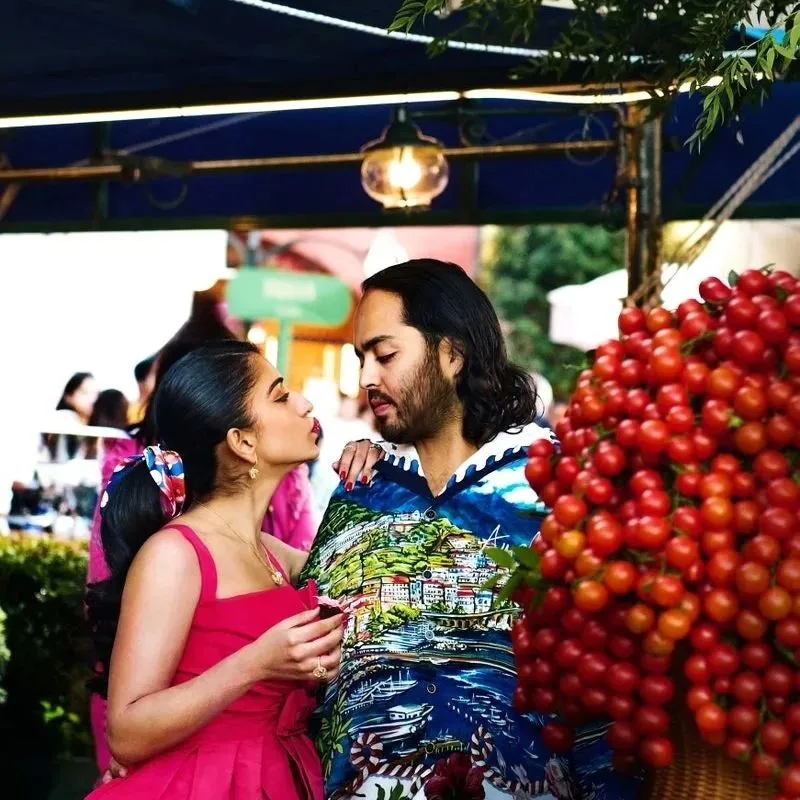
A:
(357, 462)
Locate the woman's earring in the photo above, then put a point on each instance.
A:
(253, 472)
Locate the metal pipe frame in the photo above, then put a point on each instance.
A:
(141, 168)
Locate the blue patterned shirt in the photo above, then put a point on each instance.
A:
(428, 668)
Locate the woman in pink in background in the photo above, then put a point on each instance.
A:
(290, 517)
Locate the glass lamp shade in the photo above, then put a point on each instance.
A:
(404, 169)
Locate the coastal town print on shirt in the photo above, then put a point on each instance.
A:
(428, 668)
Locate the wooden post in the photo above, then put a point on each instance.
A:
(643, 170)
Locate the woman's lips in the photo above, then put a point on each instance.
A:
(316, 428)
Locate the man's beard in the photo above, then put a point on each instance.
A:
(423, 407)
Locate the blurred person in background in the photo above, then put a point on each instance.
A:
(79, 396)
(145, 374)
(75, 407)
(291, 516)
(110, 410)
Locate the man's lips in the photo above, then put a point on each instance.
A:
(380, 407)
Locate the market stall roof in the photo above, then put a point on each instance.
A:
(83, 55)
(97, 55)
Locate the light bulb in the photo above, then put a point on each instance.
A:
(404, 171)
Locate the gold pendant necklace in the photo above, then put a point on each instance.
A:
(276, 576)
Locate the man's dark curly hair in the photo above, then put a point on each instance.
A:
(442, 302)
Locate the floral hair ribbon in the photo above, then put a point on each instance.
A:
(166, 470)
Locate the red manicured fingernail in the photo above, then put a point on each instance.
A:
(342, 475)
(348, 487)
(364, 479)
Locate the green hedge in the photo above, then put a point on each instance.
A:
(45, 714)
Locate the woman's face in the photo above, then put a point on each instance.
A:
(287, 432)
(82, 400)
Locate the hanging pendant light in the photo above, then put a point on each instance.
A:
(404, 168)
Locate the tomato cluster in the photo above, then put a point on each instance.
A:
(673, 543)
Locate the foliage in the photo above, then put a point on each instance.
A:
(42, 586)
(530, 262)
(5, 653)
(668, 43)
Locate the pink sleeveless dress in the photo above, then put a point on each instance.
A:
(258, 747)
(290, 518)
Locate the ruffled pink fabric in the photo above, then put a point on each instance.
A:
(290, 519)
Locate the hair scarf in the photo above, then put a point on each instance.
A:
(166, 470)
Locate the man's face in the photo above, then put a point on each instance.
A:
(410, 387)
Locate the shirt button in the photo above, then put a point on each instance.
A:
(431, 688)
(430, 515)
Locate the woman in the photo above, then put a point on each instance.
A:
(110, 410)
(76, 404)
(290, 517)
(216, 656)
(79, 396)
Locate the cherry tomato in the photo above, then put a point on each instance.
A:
(656, 690)
(775, 737)
(788, 575)
(674, 624)
(751, 438)
(620, 577)
(657, 752)
(744, 720)
(610, 461)
(681, 552)
(747, 688)
(711, 718)
(558, 738)
(775, 603)
(658, 318)
(622, 678)
(696, 669)
(756, 655)
(778, 680)
(721, 605)
(698, 696)
(667, 591)
(741, 313)
(666, 364)
(640, 618)
(722, 566)
(713, 290)
(722, 383)
(750, 625)
(591, 596)
(631, 319)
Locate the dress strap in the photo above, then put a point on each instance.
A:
(208, 571)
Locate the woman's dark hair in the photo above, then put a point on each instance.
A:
(200, 399)
(72, 386)
(203, 326)
(442, 302)
(144, 368)
(110, 410)
(72, 442)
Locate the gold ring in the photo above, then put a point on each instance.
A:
(319, 671)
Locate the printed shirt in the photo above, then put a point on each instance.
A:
(428, 668)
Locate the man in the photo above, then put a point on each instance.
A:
(145, 374)
(428, 669)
